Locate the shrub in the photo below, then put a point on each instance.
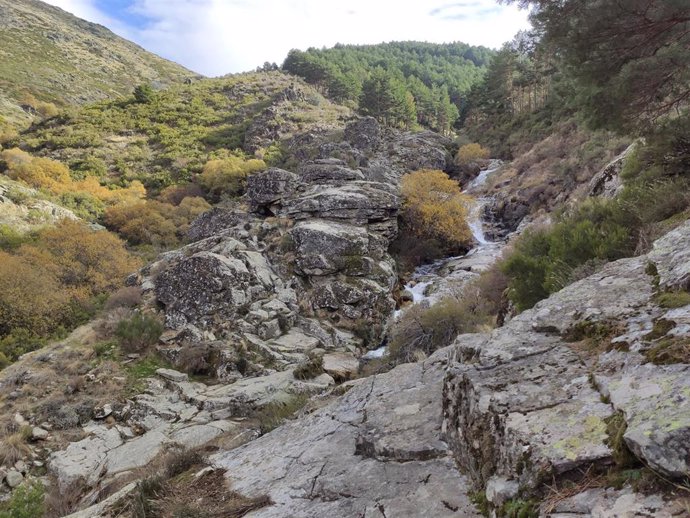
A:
(471, 153)
(423, 329)
(14, 447)
(435, 208)
(10, 239)
(27, 501)
(138, 332)
(126, 297)
(144, 93)
(545, 260)
(199, 359)
(180, 461)
(87, 262)
(310, 368)
(228, 176)
(153, 222)
(17, 342)
(42, 173)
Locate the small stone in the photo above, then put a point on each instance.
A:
(203, 472)
(38, 464)
(39, 434)
(342, 366)
(103, 412)
(499, 490)
(19, 419)
(269, 329)
(20, 466)
(172, 375)
(14, 478)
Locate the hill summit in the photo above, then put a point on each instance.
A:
(50, 56)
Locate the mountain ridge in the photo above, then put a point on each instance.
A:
(52, 56)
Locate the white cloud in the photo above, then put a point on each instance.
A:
(216, 37)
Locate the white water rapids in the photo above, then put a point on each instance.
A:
(427, 282)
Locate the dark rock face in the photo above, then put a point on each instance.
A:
(364, 134)
(214, 222)
(267, 187)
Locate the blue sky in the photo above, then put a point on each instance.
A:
(216, 37)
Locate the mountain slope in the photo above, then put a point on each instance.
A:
(434, 77)
(53, 56)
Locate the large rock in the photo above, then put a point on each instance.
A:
(533, 401)
(209, 286)
(360, 202)
(342, 366)
(136, 453)
(84, 460)
(377, 451)
(326, 247)
(671, 257)
(268, 187)
(655, 401)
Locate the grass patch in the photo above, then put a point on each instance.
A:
(660, 329)
(273, 415)
(673, 299)
(310, 368)
(669, 350)
(139, 370)
(615, 429)
(519, 509)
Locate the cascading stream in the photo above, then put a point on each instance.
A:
(483, 254)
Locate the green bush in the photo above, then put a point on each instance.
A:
(137, 333)
(544, 261)
(27, 501)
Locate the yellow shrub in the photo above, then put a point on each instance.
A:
(154, 222)
(15, 157)
(30, 296)
(43, 173)
(42, 283)
(434, 207)
(471, 152)
(92, 186)
(229, 175)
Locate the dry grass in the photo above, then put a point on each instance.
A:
(15, 447)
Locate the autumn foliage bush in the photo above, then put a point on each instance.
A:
(228, 176)
(471, 153)
(434, 207)
(50, 282)
(153, 222)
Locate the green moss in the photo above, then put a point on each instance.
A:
(519, 509)
(478, 498)
(615, 430)
(669, 350)
(673, 299)
(660, 329)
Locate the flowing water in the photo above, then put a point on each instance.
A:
(430, 282)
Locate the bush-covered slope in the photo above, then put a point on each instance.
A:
(167, 138)
(50, 56)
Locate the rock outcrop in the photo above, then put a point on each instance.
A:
(377, 451)
(526, 404)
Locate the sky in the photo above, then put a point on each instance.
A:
(217, 37)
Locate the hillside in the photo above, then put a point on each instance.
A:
(48, 55)
(168, 139)
(425, 83)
